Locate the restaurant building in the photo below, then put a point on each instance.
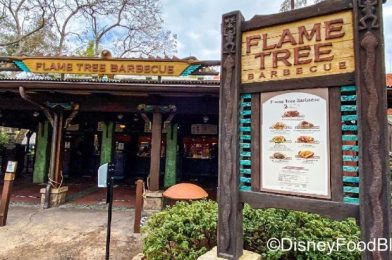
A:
(155, 119)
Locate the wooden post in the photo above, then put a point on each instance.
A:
(373, 162)
(9, 178)
(56, 149)
(138, 205)
(155, 150)
(230, 233)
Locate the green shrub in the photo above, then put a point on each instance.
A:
(262, 224)
(188, 230)
(183, 231)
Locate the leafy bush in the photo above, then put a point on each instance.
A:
(262, 224)
(188, 230)
(4, 139)
(183, 231)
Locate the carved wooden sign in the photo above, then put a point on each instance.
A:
(307, 48)
(302, 118)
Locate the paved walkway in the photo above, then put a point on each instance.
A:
(67, 233)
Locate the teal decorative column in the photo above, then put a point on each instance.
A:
(107, 142)
(42, 151)
(171, 156)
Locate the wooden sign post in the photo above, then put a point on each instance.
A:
(303, 118)
(7, 189)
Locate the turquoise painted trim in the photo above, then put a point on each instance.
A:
(245, 188)
(245, 179)
(350, 168)
(348, 98)
(245, 145)
(351, 189)
(245, 104)
(245, 154)
(190, 69)
(348, 88)
(245, 162)
(349, 138)
(22, 66)
(351, 200)
(246, 113)
(354, 148)
(245, 121)
(245, 137)
(349, 117)
(350, 179)
(245, 171)
(346, 108)
(350, 158)
(349, 128)
(245, 129)
(246, 96)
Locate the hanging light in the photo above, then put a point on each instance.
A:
(205, 119)
(35, 114)
(120, 116)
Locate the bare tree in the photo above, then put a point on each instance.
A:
(65, 14)
(127, 27)
(288, 5)
(132, 27)
(20, 20)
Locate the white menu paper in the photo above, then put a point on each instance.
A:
(295, 143)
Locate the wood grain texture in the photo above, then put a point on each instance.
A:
(323, 8)
(373, 154)
(155, 150)
(138, 206)
(335, 141)
(331, 209)
(316, 82)
(5, 201)
(256, 142)
(341, 50)
(230, 233)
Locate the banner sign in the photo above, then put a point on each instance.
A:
(106, 67)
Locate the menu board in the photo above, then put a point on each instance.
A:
(295, 144)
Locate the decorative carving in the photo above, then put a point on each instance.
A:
(227, 156)
(229, 34)
(370, 43)
(368, 9)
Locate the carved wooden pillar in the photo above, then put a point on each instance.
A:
(370, 78)
(230, 233)
(56, 148)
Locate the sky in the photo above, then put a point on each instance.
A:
(197, 24)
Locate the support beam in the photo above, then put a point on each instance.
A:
(41, 164)
(107, 142)
(171, 156)
(56, 150)
(155, 150)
